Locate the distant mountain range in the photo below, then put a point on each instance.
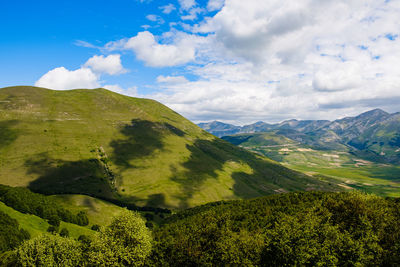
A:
(374, 134)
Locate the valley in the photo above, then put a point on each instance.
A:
(359, 152)
(339, 167)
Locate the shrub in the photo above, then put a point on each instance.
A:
(125, 242)
(49, 250)
(64, 232)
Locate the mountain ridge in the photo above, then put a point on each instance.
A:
(373, 134)
(106, 145)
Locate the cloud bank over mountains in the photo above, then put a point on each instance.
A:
(243, 61)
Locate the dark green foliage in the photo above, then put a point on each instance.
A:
(54, 220)
(52, 229)
(304, 229)
(10, 233)
(95, 227)
(85, 240)
(64, 232)
(82, 219)
(149, 225)
(149, 216)
(25, 201)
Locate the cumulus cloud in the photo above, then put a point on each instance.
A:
(280, 59)
(64, 79)
(187, 4)
(193, 13)
(171, 79)
(337, 77)
(155, 54)
(167, 9)
(88, 76)
(131, 91)
(155, 18)
(273, 60)
(214, 5)
(110, 64)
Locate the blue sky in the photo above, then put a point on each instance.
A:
(37, 36)
(230, 60)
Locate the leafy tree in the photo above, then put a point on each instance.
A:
(64, 232)
(294, 229)
(95, 227)
(25, 201)
(49, 250)
(125, 242)
(10, 233)
(55, 221)
(52, 229)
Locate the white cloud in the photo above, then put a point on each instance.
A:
(155, 18)
(214, 5)
(110, 64)
(276, 59)
(193, 12)
(167, 9)
(337, 77)
(280, 59)
(171, 79)
(131, 91)
(187, 4)
(63, 79)
(154, 54)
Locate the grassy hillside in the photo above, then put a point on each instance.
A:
(100, 143)
(340, 167)
(36, 225)
(99, 212)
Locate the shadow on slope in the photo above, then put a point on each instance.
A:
(7, 133)
(209, 157)
(143, 138)
(89, 177)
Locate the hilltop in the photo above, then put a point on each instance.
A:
(100, 143)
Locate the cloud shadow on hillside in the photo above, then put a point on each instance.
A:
(208, 157)
(56, 176)
(143, 138)
(7, 133)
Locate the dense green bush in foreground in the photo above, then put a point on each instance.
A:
(295, 229)
(126, 242)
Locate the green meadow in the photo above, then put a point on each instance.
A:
(338, 167)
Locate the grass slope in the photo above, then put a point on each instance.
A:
(36, 225)
(340, 167)
(99, 212)
(99, 143)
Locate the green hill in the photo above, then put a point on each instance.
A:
(99, 143)
(36, 225)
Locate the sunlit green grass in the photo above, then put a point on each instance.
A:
(36, 225)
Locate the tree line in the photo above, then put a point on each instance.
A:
(25, 201)
(294, 229)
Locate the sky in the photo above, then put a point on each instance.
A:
(229, 60)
